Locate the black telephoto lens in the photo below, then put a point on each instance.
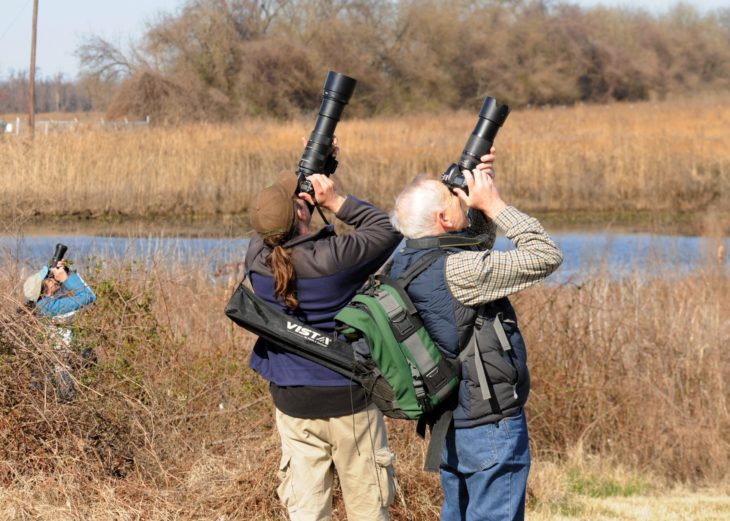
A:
(491, 117)
(317, 156)
(58, 255)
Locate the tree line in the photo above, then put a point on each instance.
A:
(225, 59)
(52, 94)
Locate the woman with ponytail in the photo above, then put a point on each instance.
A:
(280, 263)
(323, 419)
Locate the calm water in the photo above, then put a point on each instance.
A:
(586, 254)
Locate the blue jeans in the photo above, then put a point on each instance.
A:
(484, 471)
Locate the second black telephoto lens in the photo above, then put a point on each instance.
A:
(491, 117)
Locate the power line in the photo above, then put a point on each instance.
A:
(17, 17)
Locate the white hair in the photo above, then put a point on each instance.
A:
(417, 207)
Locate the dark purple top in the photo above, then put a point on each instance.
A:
(329, 270)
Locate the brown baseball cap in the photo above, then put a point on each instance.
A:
(273, 211)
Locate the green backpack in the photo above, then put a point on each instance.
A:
(399, 349)
(388, 350)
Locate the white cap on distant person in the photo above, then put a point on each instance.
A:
(33, 285)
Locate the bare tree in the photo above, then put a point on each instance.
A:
(227, 58)
(103, 60)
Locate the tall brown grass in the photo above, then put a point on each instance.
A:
(670, 157)
(635, 369)
(170, 423)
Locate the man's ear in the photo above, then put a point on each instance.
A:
(443, 221)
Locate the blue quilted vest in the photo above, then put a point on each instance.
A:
(452, 325)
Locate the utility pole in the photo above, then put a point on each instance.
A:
(31, 87)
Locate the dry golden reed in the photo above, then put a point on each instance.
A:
(665, 156)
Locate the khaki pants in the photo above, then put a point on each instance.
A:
(356, 445)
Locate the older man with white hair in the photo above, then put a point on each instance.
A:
(462, 299)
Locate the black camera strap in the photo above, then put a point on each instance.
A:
(319, 209)
(321, 214)
(305, 186)
(447, 241)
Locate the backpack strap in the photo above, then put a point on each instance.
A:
(419, 266)
(440, 421)
(473, 345)
(441, 424)
(405, 322)
(401, 282)
(252, 313)
(481, 373)
(436, 442)
(384, 270)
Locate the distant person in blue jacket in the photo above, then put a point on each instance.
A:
(58, 294)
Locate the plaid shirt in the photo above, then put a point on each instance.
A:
(483, 276)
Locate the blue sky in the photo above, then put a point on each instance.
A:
(62, 25)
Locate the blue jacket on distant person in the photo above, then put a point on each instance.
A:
(70, 297)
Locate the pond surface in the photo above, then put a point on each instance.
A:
(585, 254)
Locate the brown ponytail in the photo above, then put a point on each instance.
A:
(280, 262)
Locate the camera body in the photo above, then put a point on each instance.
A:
(491, 118)
(317, 156)
(58, 254)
